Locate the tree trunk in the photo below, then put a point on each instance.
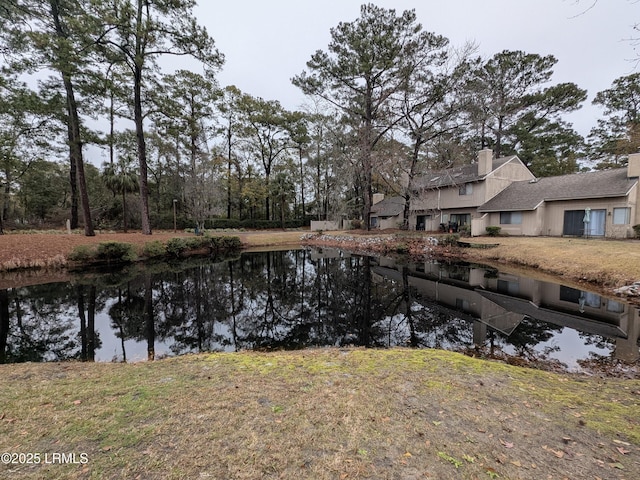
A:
(229, 170)
(302, 187)
(73, 180)
(124, 211)
(138, 118)
(142, 154)
(77, 176)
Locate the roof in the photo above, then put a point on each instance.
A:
(458, 175)
(528, 195)
(389, 207)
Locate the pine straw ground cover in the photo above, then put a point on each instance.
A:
(318, 414)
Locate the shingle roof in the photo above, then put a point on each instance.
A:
(529, 195)
(389, 207)
(457, 175)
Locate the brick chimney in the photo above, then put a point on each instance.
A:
(485, 162)
(633, 167)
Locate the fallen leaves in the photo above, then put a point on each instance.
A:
(622, 450)
(506, 444)
(557, 453)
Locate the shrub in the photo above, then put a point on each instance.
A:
(493, 231)
(224, 244)
(402, 248)
(175, 246)
(196, 243)
(116, 252)
(82, 253)
(154, 249)
(448, 240)
(465, 230)
(636, 230)
(230, 244)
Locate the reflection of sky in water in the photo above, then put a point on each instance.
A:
(111, 349)
(571, 348)
(136, 350)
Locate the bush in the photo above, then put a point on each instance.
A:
(449, 240)
(116, 252)
(231, 244)
(196, 243)
(493, 231)
(402, 248)
(82, 253)
(465, 230)
(225, 244)
(154, 249)
(221, 243)
(636, 230)
(175, 246)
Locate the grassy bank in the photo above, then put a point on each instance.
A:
(608, 263)
(318, 414)
(602, 263)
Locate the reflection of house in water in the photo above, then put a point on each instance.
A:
(502, 301)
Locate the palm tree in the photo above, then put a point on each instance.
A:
(120, 177)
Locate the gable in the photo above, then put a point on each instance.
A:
(528, 195)
(389, 207)
(454, 177)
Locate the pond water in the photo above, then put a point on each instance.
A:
(306, 298)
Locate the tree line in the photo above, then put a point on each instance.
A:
(388, 101)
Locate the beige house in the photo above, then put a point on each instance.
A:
(386, 212)
(592, 204)
(450, 198)
(504, 193)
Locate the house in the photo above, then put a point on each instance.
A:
(591, 204)
(386, 213)
(503, 192)
(449, 199)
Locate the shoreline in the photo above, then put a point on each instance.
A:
(600, 265)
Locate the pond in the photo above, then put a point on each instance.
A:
(311, 298)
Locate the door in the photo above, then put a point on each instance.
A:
(575, 225)
(597, 221)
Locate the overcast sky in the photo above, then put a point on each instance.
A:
(266, 43)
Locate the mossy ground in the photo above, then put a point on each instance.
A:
(326, 413)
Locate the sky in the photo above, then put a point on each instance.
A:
(266, 43)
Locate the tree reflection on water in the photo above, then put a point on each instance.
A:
(306, 298)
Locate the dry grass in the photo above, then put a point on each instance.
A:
(270, 238)
(322, 414)
(608, 263)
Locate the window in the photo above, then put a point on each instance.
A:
(510, 218)
(621, 216)
(466, 189)
(508, 287)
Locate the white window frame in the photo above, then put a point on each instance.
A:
(465, 189)
(625, 212)
(511, 220)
